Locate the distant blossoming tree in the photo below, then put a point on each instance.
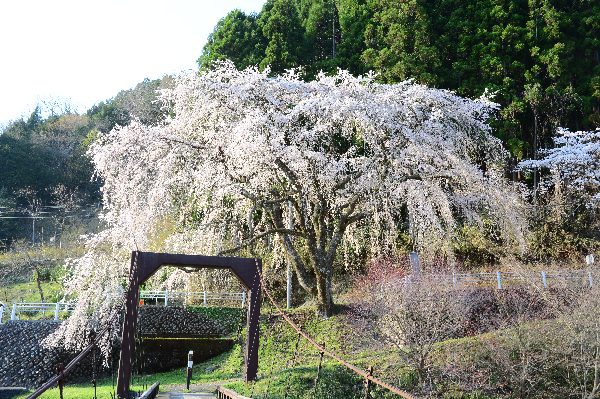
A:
(574, 163)
(241, 146)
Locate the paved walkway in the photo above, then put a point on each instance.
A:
(200, 390)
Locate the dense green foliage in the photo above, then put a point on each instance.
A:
(43, 158)
(541, 57)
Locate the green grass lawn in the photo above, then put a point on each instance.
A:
(28, 292)
(229, 366)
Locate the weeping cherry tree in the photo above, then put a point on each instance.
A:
(241, 146)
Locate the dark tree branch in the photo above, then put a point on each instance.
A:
(258, 237)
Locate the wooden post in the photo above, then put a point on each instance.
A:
(368, 382)
(61, 382)
(318, 369)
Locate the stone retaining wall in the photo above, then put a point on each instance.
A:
(177, 322)
(25, 363)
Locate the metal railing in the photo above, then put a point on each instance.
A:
(38, 307)
(58, 307)
(3, 309)
(499, 279)
(187, 296)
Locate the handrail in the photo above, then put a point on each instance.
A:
(498, 277)
(226, 393)
(81, 354)
(151, 392)
(366, 375)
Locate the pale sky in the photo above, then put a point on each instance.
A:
(87, 51)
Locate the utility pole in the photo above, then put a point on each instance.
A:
(333, 29)
(289, 265)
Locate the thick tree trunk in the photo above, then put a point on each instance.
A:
(324, 299)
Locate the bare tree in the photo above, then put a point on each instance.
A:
(25, 258)
(410, 315)
(577, 334)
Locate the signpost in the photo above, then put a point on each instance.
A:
(189, 368)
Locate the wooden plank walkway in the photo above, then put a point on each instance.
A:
(185, 395)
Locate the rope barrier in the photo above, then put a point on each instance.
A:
(366, 375)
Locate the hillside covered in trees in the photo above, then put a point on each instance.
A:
(43, 157)
(540, 57)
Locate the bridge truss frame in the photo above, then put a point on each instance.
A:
(145, 264)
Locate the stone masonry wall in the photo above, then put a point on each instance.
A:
(177, 322)
(25, 363)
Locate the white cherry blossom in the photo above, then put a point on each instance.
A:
(241, 145)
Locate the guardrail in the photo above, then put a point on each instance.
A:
(151, 392)
(40, 307)
(205, 296)
(498, 278)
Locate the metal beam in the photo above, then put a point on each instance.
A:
(145, 264)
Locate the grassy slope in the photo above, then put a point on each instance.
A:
(275, 376)
(278, 347)
(28, 292)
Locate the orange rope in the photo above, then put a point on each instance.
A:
(322, 349)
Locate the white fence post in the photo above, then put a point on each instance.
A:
(166, 297)
(13, 315)
(544, 279)
(243, 299)
(454, 280)
(590, 277)
(204, 298)
(499, 283)
(1, 313)
(56, 310)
